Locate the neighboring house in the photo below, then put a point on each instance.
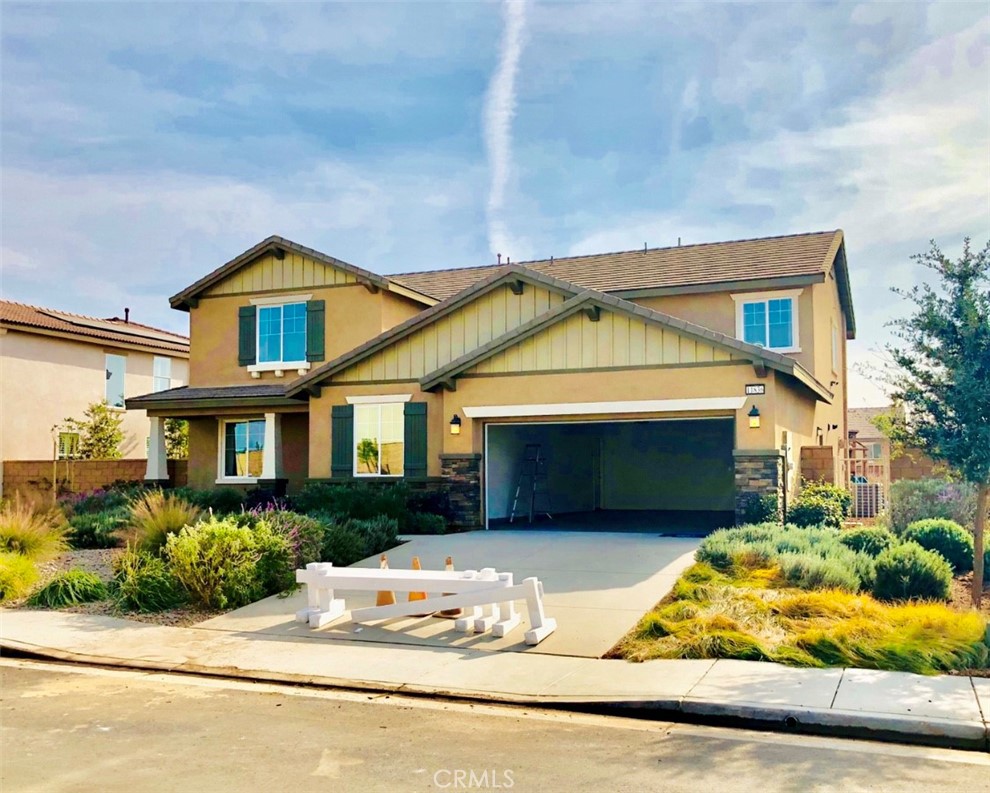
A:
(868, 444)
(678, 380)
(54, 364)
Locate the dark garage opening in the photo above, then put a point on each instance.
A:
(668, 476)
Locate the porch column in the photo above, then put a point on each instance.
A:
(157, 470)
(271, 454)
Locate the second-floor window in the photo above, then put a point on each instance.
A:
(116, 366)
(282, 333)
(768, 321)
(162, 373)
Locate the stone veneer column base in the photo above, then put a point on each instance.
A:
(759, 472)
(462, 475)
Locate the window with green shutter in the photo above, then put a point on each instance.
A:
(342, 441)
(415, 439)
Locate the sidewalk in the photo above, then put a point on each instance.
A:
(940, 711)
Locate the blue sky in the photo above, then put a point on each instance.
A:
(145, 144)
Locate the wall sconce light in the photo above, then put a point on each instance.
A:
(455, 425)
(754, 418)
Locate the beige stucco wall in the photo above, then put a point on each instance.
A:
(46, 379)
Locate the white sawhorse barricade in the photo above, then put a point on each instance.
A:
(486, 596)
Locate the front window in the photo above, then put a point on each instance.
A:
(116, 366)
(768, 321)
(282, 333)
(162, 374)
(68, 445)
(875, 451)
(243, 447)
(379, 443)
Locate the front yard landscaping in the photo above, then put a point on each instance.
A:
(178, 557)
(824, 596)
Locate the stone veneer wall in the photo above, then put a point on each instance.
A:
(760, 473)
(462, 473)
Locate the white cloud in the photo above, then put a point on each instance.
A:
(500, 108)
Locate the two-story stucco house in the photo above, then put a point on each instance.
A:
(675, 380)
(54, 364)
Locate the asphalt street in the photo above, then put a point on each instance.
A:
(73, 728)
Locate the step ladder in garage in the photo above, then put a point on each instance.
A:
(532, 484)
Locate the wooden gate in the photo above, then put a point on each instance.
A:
(868, 478)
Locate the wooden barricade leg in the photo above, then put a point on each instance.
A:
(541, 625)
(465, 624)
(508, 616)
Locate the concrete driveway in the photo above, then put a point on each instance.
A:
(597, 586)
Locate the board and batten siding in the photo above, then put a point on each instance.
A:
(448, 338)
(293, 272)
(615, 340)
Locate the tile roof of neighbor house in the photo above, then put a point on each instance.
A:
(113, 330)
(683, 265)
(860, 421)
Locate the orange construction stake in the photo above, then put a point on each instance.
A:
(385, 598)
(418, 595)
(450, 614)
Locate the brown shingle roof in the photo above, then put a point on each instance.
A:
(687, 265)
(113, 330)
(860, 421)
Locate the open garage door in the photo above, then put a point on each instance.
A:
(672, 476)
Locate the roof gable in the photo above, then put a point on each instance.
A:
(652, 337)
(507, 298)
(277, 260)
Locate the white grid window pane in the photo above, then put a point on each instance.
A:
(294, 332)
(269, 334)
(755, 323)
(779, 322)
(116, 366)
(162, 374)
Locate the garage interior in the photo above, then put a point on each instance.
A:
(672, 476)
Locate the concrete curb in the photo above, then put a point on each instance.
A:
(942, 733)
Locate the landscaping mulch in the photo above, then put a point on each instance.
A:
(100, 561)
(961, 597)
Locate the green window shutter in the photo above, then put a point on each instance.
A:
(415, 439)
(315, 329)
(342, 441)
(247, 335)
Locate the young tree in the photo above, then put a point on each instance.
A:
(99, 431)
(177, 439)
(942, 375)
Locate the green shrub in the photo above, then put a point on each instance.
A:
(303, 533)
(97, 529)
(814, 510)
(870, 540)
(809, 571)
(425, 523)
(946, 537)
(910, 572)
(30, 532)
(821, 489)
(17, 575)
(380, 533)
(70, 589)
(223, 565)
(343, 544)
(761, 509)
(102, 499)
(144, 582)
(220, 501)
(157, 514)
(911, 501)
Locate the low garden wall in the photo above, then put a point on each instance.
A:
(32, 479)
(817, 464)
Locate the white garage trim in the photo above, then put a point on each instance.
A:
(602, 408)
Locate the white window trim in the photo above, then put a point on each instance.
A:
(377, 400)
(221, 440)
(280, 299)
(763, 297)
(279, 367)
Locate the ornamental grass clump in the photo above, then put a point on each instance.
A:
(37, 534)
(155, 515)
(70, 588)
(144, 582)
(17, 575)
